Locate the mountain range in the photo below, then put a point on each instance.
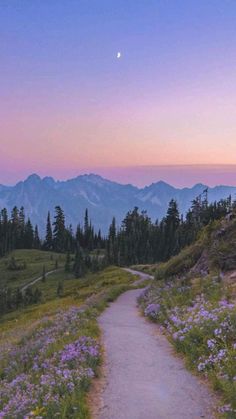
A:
(103, 198)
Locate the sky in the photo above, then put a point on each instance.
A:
(166, 107)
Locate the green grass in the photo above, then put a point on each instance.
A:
(33, 261)
(177, 265)
(81, 288)
(186, 259)
(104, 286)
(94, 292)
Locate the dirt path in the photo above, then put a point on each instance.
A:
(142, 276)
(39, 278)
(143, 377)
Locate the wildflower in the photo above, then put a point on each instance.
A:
(152, 310)
(211, 343)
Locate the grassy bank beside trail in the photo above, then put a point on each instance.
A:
(177, 265)
(199, 317)
(49, 352)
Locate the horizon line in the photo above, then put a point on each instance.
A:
(55, 179)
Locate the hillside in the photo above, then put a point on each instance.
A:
(213, 252)
(50, 351)
(22, 266)
(103, 198)
(194, 301)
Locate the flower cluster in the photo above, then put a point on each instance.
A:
(204, 329)
(47, 367)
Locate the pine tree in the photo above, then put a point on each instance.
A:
(112, 243)
(79, 264)
(59, 231)
(99, 239)
(21, 237)
(79, 236)
(15, 228)
(48, 245)
(37, 243)
(172, 222)
(86, 229)
(29, 235)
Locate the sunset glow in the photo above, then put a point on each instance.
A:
(68, 106)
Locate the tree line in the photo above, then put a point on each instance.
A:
(140, 241)
(137, 241)
(17, 232)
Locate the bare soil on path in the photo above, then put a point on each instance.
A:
(142, 376)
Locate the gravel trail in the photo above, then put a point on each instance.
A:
(142, 276)
(143, 377)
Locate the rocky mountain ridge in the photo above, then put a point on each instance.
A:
(103, 198)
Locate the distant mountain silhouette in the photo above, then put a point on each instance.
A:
(103, 198)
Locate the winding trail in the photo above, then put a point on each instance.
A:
(142, 276)
(143, 377)
(39, 278)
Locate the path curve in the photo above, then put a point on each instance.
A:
(39, 278)
(142, 275)
(143, 377)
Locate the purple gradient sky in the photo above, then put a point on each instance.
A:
(69, 106)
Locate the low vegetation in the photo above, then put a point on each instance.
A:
(49, 352)
(214, 251)
(22, 266)
(49, 345)
(20, 269)
(194, 301)
(199, 316)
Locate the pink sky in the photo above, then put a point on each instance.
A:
(68, 105)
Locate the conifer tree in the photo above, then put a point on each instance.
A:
(37, 243)
(59, 231)
(172, 222)
(29, 235)
(86, 229)
(48, 245)
(112, 243)
(79, 264)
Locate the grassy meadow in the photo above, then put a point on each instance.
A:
(29, 265)
(50, 351)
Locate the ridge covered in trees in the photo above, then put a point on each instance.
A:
(137, 241)
(17, 232)
(140, 241)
